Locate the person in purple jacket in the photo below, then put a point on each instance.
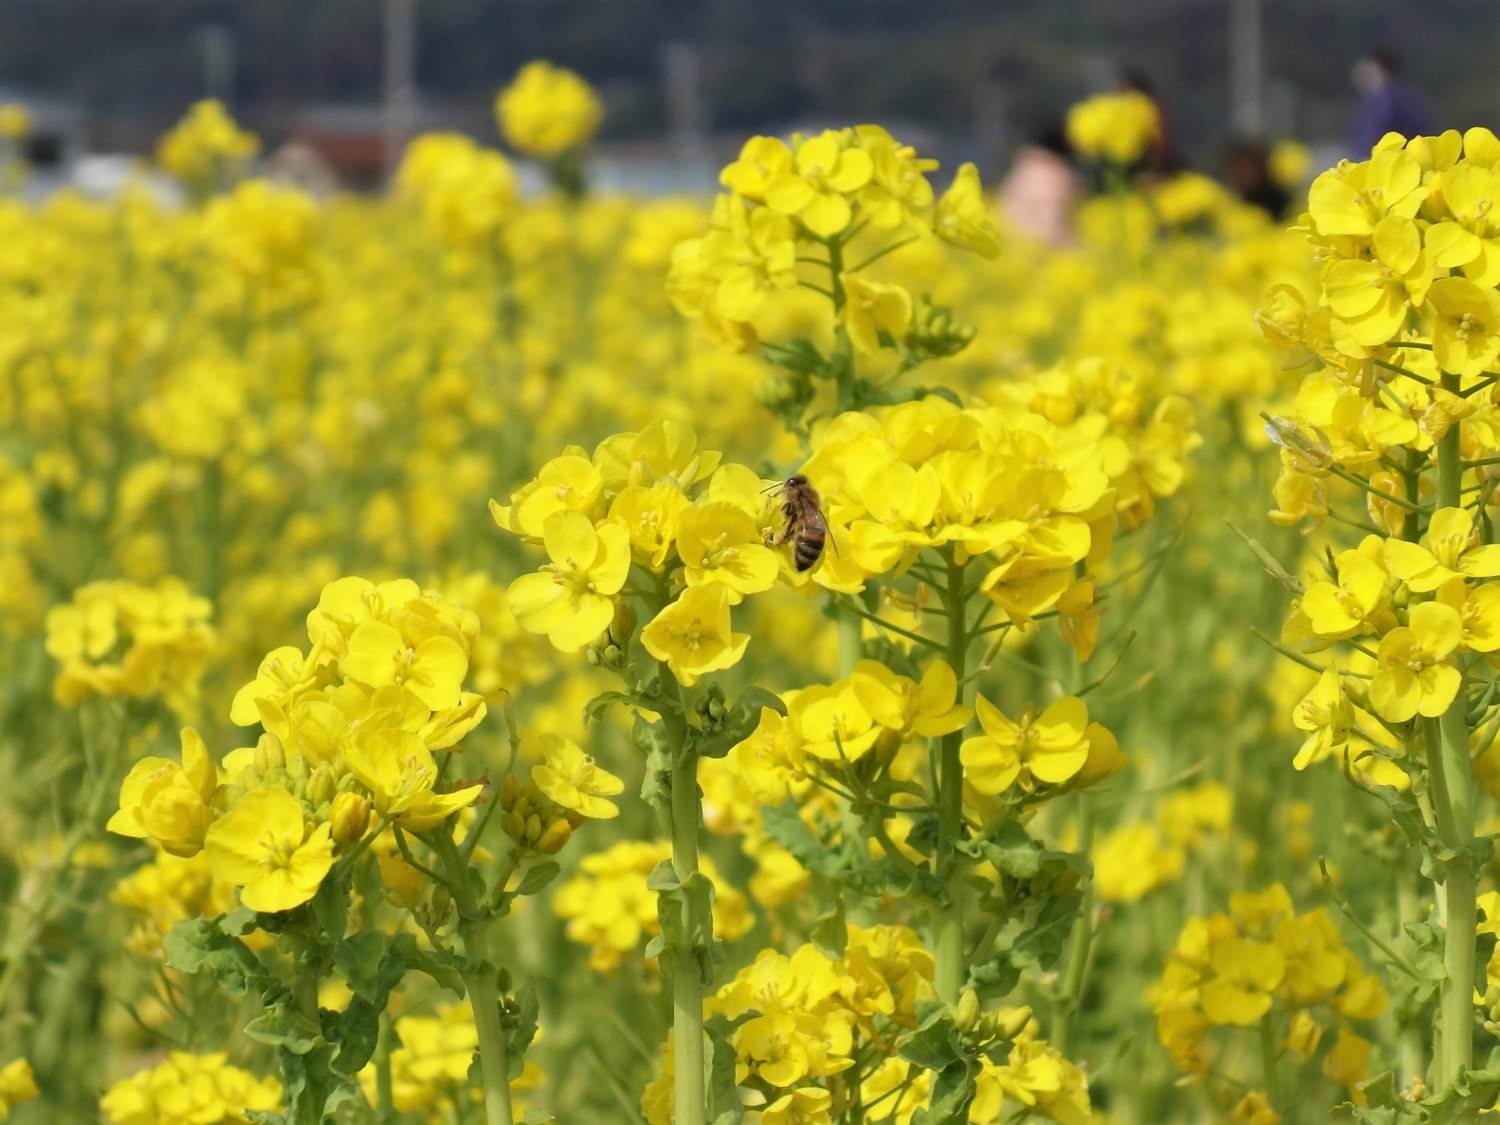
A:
(1386, 104)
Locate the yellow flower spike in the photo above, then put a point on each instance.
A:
(431, 670)
(571, 599)
(692, 635)
(167, 802)
(1449, 549)
(1051, 747)
(816, 190)
(872, 308)
(575, 781)
(964, 218)
(720, 542)
(399, 771)
(1119, 127)
(263, 845)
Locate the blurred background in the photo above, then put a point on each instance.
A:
(346, 81)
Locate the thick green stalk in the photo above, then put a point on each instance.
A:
(1453, 799)
(385, 1104)
(687, 988)
(948, 930)
(482, 984)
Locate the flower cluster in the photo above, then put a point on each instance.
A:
(189, 1087)
(547, 110)
(1264, 962)
(1116, 127)
(123, 639)
(206, 148)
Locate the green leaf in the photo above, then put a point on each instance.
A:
(1033, 936)
(537, 876)
(934, 1043)
(799, 355)
(372, 964)
(519, 1037)
(200, 944)
(830, 933)
(594, 708)
(685, 913)
(444, 967)
(785, 825)
(281, 1026)
(651, 739)
(719, 1086)
(953, 1092)
(739, 724)
(356, 1030)
(330, 906)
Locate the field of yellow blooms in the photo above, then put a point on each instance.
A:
(809, 658)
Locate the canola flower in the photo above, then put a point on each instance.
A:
(954, 817)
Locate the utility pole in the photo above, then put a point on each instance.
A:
(684, 90)
(216, 42)
(400, 78)
(1247, 67)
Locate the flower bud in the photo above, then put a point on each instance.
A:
(350, 817)
(322, 786)
(1010, 1022)
(557, 835)
(533, 827)
(622, 627)
(404, 884)
(966, 1011)
(510, 790)
(269, 753)
(514, 825)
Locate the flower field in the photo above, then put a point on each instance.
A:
(809, 656)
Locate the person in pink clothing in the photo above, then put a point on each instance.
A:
(1041, 190)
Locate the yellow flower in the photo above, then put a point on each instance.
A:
(184, 1087)
(810, 1105)
(1348, 1061)
(964, 217)
(1116, 126)
(927, 709)
(16, 1084)
(720, 542)
(283, 674)
(15, 121)
(1050, 747)
(1345, 609)
(652, 514)
(1289, 162)
(1465, 325)
(1245, 973)
(431, 668)
(1413, 675)
(816, 190)
(547, 110)
(167, 803)
(1351, 199)
(572, 598)
(692, 635)
(1478, 609)
(872, 308)
(399, 771)
(263, 845)
(1371, 299)
(1449, 549)
(761, 161)
(574, 780)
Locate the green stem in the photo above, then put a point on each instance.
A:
(687, 988)
(1082, 938)
(385, 1105)
(482, 984)
(1270, 1051)
(1453, 792)
(948, 935)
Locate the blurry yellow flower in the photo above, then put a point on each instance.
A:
(1289, 162)
(184, 1087)
(264, 846)
(547, 109)
(1245, 973)
(964, 217)
(1116, 126)
(16, 1082)
(574, 780)
(15, 121)
(761, 161)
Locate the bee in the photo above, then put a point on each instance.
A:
(806, 528)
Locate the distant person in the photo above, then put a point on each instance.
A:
(1247, 169)
(1161, 158)
(1386, 103)
(1041, 190)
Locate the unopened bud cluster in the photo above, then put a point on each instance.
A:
(533, 821)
